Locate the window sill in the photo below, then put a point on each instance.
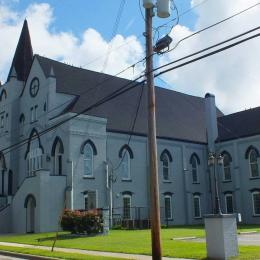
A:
(226, 181)
(197, 218)
(169, 219)
(167, 181)
(89, 177)
(254, 178)
(32, 122)
(195, 182)
(256, 216)
(30, 176)
(126, 180)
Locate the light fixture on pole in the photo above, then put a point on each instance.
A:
(213, 160)
(162, 44)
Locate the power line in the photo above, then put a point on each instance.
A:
(206, 55)
(133, 127)
(203, 29)
(107, 98)
(208, 48)
(124, 89)
(212, 25)
(114, 31)
(184, 13)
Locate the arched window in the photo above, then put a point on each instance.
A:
(88, 149)
(90, 200)
(196, 206)
(3, 95)
(57, 152)
(34, 153)
(254, 172)
(126, 154)
(195, 161)
(127, 200)
(125, 166)
(10, 183)
(168, 206)
(226, 166)
(256, 202)
(30, 205)
(2, 172)
(22, 122)
(166, 159)
(165, 166)
(229, 203)
(88, 160)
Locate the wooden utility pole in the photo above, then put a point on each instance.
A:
(152, 146)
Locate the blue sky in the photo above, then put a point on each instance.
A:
(77, 15)
(79, 31)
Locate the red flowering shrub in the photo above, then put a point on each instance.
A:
(82, 222)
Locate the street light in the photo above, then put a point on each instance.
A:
(213, 160)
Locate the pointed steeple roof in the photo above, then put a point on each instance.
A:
(23, 56)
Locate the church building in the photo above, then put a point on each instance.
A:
(65, 143)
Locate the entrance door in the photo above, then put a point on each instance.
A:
(30, 215)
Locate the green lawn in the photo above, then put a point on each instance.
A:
(137, 241)
(46, 253)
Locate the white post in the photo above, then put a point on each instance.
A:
(72, 186)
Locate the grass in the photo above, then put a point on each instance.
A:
(137, 242)
(61, 255)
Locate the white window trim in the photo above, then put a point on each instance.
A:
(35, 161)
(197, 171)
(126, 153)
(223, 168)
(32, 114)
(196, 197)
(36, 113)
(249, 164)
(229, 195)
(254, 193)
(170, 197)
(92, 163)
(85, 197)
(128, 196)
(2, 120)
(169, 168)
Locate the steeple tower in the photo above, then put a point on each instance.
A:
(23, 56)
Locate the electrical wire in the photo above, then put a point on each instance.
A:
(205, 56)
(133, 127)
(114, 31)
(208, 48)
(212, 25)
(123, 90)
(195, 108)
(107, 98)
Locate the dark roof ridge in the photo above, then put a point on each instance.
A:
(113, 76)
(240, 112)
(79, 68)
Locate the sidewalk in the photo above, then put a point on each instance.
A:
(88, 252)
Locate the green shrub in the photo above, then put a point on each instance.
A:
(86, 222)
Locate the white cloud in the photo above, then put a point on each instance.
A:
(64, 46)
(233, 76)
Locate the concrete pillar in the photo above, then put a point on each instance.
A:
(221, 236)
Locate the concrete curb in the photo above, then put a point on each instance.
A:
(88, 252)
(25, 256)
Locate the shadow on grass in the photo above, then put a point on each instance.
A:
(66, 237)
